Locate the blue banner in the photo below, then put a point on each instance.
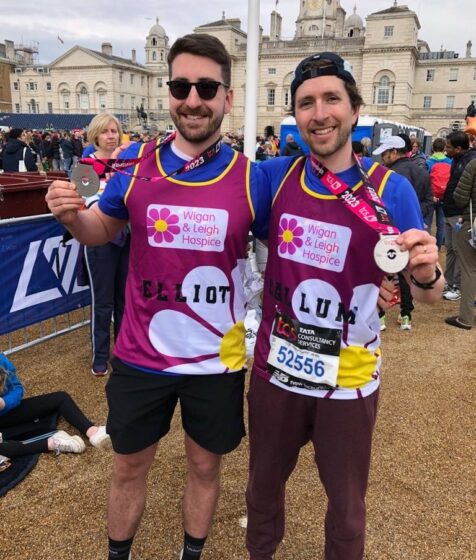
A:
(37, 273)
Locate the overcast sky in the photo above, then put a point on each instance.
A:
(90, 22)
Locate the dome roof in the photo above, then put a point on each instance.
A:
(354, 20)
(157, 29)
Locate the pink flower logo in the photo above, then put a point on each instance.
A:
(161, 225)
(289, 235)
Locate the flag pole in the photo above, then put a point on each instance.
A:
(252, 77)
(324, 18)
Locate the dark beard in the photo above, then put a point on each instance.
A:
(198, 135)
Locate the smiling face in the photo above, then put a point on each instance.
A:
(325, 117)
(198, 121)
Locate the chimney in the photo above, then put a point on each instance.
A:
(275, 27)
(134, 55)
(10, 50)
(469, 44)
(106, 48)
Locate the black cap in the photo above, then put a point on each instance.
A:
(337, 67)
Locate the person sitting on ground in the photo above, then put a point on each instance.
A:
(15, 410)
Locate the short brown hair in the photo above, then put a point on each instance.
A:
(201, 44)
(439, 145)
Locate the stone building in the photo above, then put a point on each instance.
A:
(7, 66)
(400, 78)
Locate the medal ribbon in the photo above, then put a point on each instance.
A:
(371, 212)
(102, 166)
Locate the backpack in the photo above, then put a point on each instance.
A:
(439, 176)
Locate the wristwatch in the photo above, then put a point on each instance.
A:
(426, 285)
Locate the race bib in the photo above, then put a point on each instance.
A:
(304, 356)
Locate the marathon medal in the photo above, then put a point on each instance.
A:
(85, 179)
(389, 256)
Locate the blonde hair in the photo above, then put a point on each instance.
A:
(97, 125)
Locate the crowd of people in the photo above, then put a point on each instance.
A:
(52, 150)
(340, 227)
(32, 150)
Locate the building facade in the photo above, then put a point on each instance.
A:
(400, 78)
(6, 68)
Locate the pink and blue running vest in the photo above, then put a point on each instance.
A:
(185, 302)
(321, 273)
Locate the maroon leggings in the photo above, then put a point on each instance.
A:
(280, 423)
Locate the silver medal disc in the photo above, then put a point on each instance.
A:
(388, 255)
(85, 179)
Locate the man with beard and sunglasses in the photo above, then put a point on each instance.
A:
(190, 203)
(334, 232)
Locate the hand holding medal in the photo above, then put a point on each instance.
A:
(389, 256)
(423, 268)
(85, 179)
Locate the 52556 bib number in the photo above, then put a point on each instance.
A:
(304, 356)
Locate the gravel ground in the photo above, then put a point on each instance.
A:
(422, 485)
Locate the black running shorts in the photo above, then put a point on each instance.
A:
(141, 406)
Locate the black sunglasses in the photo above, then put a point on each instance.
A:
(206, 89)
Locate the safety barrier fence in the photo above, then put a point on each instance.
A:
(40, 297)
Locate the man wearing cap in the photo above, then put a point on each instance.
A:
(393, 152)
(316, 369)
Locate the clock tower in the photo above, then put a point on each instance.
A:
(320, 19)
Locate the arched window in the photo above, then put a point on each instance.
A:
(286, 89)
(154, 42)
(287, 97)
(154, 55)
(64, 97)
(83, 99)
(384, 91)
(102, 97)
